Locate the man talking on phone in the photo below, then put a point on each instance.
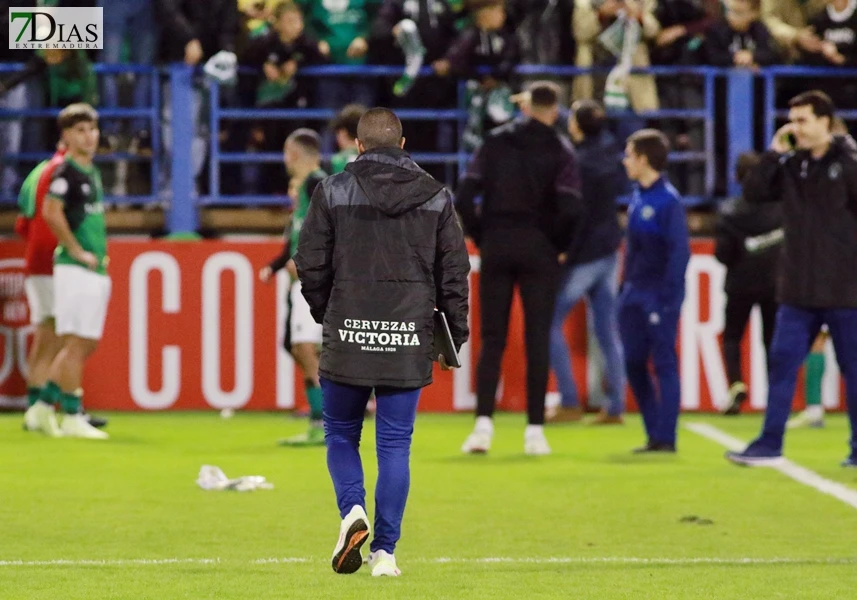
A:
(814, 174)
(380, 248)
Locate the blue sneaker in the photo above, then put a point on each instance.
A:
(850, 462)
(756, 455)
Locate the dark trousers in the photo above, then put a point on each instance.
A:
(648, 334)
(525, 258)
(795, 332)
(344, 407)
(738, 309)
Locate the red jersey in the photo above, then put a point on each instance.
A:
(41, 241)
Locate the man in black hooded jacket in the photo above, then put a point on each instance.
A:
(380, 248)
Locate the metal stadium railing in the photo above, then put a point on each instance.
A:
(178, 88)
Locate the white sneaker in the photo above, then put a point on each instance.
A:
(811, 417)
(353, 533)
(383, 564)
(45, 417)
(31, 420)
(536, 445)
(478, 442)
(78, 427)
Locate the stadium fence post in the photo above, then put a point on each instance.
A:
(739, 122)
(182, 212)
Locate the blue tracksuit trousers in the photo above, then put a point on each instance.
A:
(648, 332)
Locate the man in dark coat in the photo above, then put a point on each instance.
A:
(813, 173)
(528, 177)
(380, 248)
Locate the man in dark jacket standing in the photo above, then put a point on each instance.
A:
(380, 248)
(530, 188)
(814, 175)
(591, 263)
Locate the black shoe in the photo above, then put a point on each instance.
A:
(97, 422)
(655, 447)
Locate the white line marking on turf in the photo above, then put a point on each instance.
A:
(786, 467)
(567, 560)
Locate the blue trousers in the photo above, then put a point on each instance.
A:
(649, 334)
(344, 406)
(597, 281)
(794, 333)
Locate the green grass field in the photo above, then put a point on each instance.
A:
(590, 521)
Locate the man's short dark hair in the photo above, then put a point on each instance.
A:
(348, 119)
(379, 128)
(544, 94)
(307, 139)
(652, 144)
(590, 117)
(745, 165)
(71, 115)
(821, 104)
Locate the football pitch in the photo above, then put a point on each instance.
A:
(124, 518)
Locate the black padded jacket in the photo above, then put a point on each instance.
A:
(380, 248)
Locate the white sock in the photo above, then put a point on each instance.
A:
(485, 425)
(534, 431)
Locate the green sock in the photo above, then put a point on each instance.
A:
(33, 395)
(314, 397)
(70, 403)
(814, 374)
(50, 393)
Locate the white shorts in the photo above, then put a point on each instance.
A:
(80, 301)
(40, 297)
(304, 329)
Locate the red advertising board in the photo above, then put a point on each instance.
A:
(191, 327)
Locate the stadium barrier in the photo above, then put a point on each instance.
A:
(190, 328)
(185, 87)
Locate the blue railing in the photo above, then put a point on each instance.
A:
(152, 114)
(183, 215)
(459, 116)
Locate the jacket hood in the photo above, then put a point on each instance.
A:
(392, 181)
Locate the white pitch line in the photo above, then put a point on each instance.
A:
(786, 467)
(551, 560)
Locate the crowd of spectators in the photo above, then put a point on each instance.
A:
(278, 38)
